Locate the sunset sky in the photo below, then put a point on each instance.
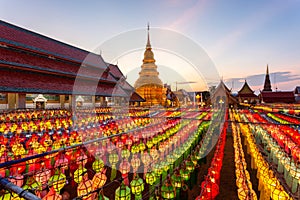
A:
(240, 37)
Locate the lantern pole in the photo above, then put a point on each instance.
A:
(16, 189)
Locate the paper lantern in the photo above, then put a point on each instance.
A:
(32, 184)
(135, 163)
(78, 174)
(122, 192)
(177, 180)
(99, 179)
(137, 187)
(150, 178)
(43, 176)
(98, 165)
(57, 181)
(125, 153)
(85, 188)
(167, 190)
(185, 174)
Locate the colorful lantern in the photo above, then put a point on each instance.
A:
(122, 192)
(99, 179)
(113, 160)
(167, 190)
(124, 169)
(98, 165)
(57, 181)
(135, 163)
(137, 187)
(78, 174)
(85, 188)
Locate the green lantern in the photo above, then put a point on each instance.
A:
(137, 187)
(150, 178)
(167, 190)
(189, 165)
(78, 174)
(32, 184)
(58, 181)
(122, 192)
(113, 159)
(98, 165)
(125, 154)
(176, 180)
(185, 174)
(134, 149)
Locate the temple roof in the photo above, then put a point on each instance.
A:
(246, 91)
(297, 90)
(33, 63)
(278, 97)
(135, 97)
(26, 39)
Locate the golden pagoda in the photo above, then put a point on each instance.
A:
(148, 85)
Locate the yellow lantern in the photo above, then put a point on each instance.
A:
(78, 174)
(99, 179)
(57, 181)
(85, 188)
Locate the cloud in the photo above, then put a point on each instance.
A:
(188, 14)
(281, 80)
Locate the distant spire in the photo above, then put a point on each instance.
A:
(267, 84)
(148, 40)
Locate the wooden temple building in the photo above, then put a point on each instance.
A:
(32, 63)
(246, 95)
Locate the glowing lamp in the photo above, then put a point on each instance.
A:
(279, 194)
(85, 188)
(150, 178)
(57, 181)
(99, 179)
(137, 187)
(189, 165)
(98, 165)
(177, 180)
(124, 169)
(125, 153)
(167, 190)
(185, 174)
(43, 176)
(135, 163)
(78, 174)
(122, 192)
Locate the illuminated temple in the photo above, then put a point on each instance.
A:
(149, 85)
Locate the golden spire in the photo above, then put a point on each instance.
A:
(148, 40)
(148, 55)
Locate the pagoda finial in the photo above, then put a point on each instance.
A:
(148, 40)
(267, 84)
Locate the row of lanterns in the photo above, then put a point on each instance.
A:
(210, 185)
(243, 183)
(81, 171)
(269, 185)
